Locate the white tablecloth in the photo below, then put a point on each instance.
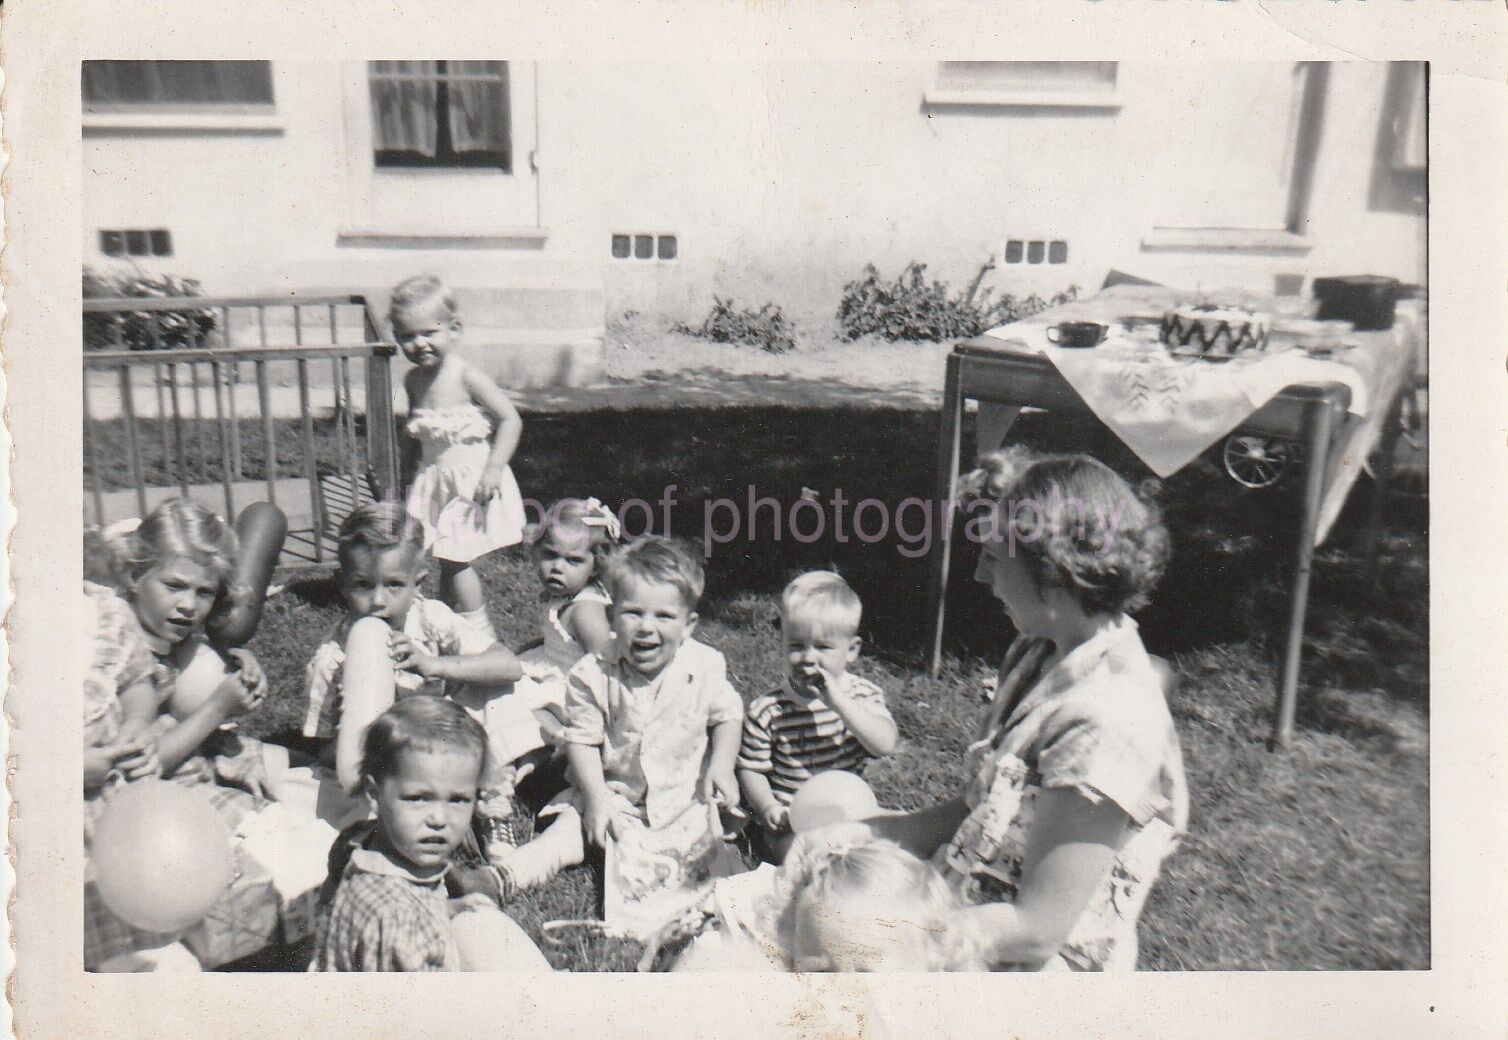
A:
(1169, 409)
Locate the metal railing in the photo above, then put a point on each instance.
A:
(179, 414)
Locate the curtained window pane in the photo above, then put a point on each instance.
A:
(440, 113)
(113, 86)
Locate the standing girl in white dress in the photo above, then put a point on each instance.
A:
(464, 494)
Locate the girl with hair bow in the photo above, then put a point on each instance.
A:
(571, 546)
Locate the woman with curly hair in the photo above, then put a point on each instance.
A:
(1076, 789)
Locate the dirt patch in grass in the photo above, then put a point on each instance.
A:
(639, 346)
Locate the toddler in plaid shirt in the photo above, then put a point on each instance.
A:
(424, 759)
(821, 717)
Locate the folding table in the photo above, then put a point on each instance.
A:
(988, 370)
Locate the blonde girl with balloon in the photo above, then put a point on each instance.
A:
(173, 570)
(156, 693)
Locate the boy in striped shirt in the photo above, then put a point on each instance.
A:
(821, 717)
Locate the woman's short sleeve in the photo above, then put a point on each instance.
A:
(120, 660)
(1110, 748)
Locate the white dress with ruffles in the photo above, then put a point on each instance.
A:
(456, 442)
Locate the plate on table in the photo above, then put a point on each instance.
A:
(1194, 355)
(1327, 351)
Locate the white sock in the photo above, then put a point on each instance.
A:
(478, 621)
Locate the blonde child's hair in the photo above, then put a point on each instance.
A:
(846, 860)
(824, 599)
(177, 527)
(658, 560)
(585, 521)
(379, 527)
(417, 291)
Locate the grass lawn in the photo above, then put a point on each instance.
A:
(202, 444)
(1317, 858)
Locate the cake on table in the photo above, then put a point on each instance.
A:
(1208, 330)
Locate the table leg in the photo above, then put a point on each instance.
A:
(1319, 424)
(1382, 478)
(991, 425)
(948, 448)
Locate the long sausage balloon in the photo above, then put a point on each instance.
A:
(261, 528)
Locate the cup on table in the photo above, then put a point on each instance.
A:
(1077, 333)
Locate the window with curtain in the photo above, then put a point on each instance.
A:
(440, 113)
(221, 86)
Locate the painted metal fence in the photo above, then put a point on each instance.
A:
(286, 399)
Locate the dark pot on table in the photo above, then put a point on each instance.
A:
(1365, 300)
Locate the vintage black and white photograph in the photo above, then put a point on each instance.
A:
(757, 516)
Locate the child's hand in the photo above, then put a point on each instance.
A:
(133, 759)
(720, 786)
(818, 683)
(99, 762)
(245, 687)
(488, 486)
(554, 723)
(138, 760)
(409, 658)
(775, 817)
(598, 822)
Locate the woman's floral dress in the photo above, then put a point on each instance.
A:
(1098, 723)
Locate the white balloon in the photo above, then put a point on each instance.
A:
(490, 940)
(831, 797)
(161, 856)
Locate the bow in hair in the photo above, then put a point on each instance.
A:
(595, 514)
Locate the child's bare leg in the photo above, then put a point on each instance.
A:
(460, 587)
(558, 846)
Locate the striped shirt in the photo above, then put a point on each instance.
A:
(791, 741)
